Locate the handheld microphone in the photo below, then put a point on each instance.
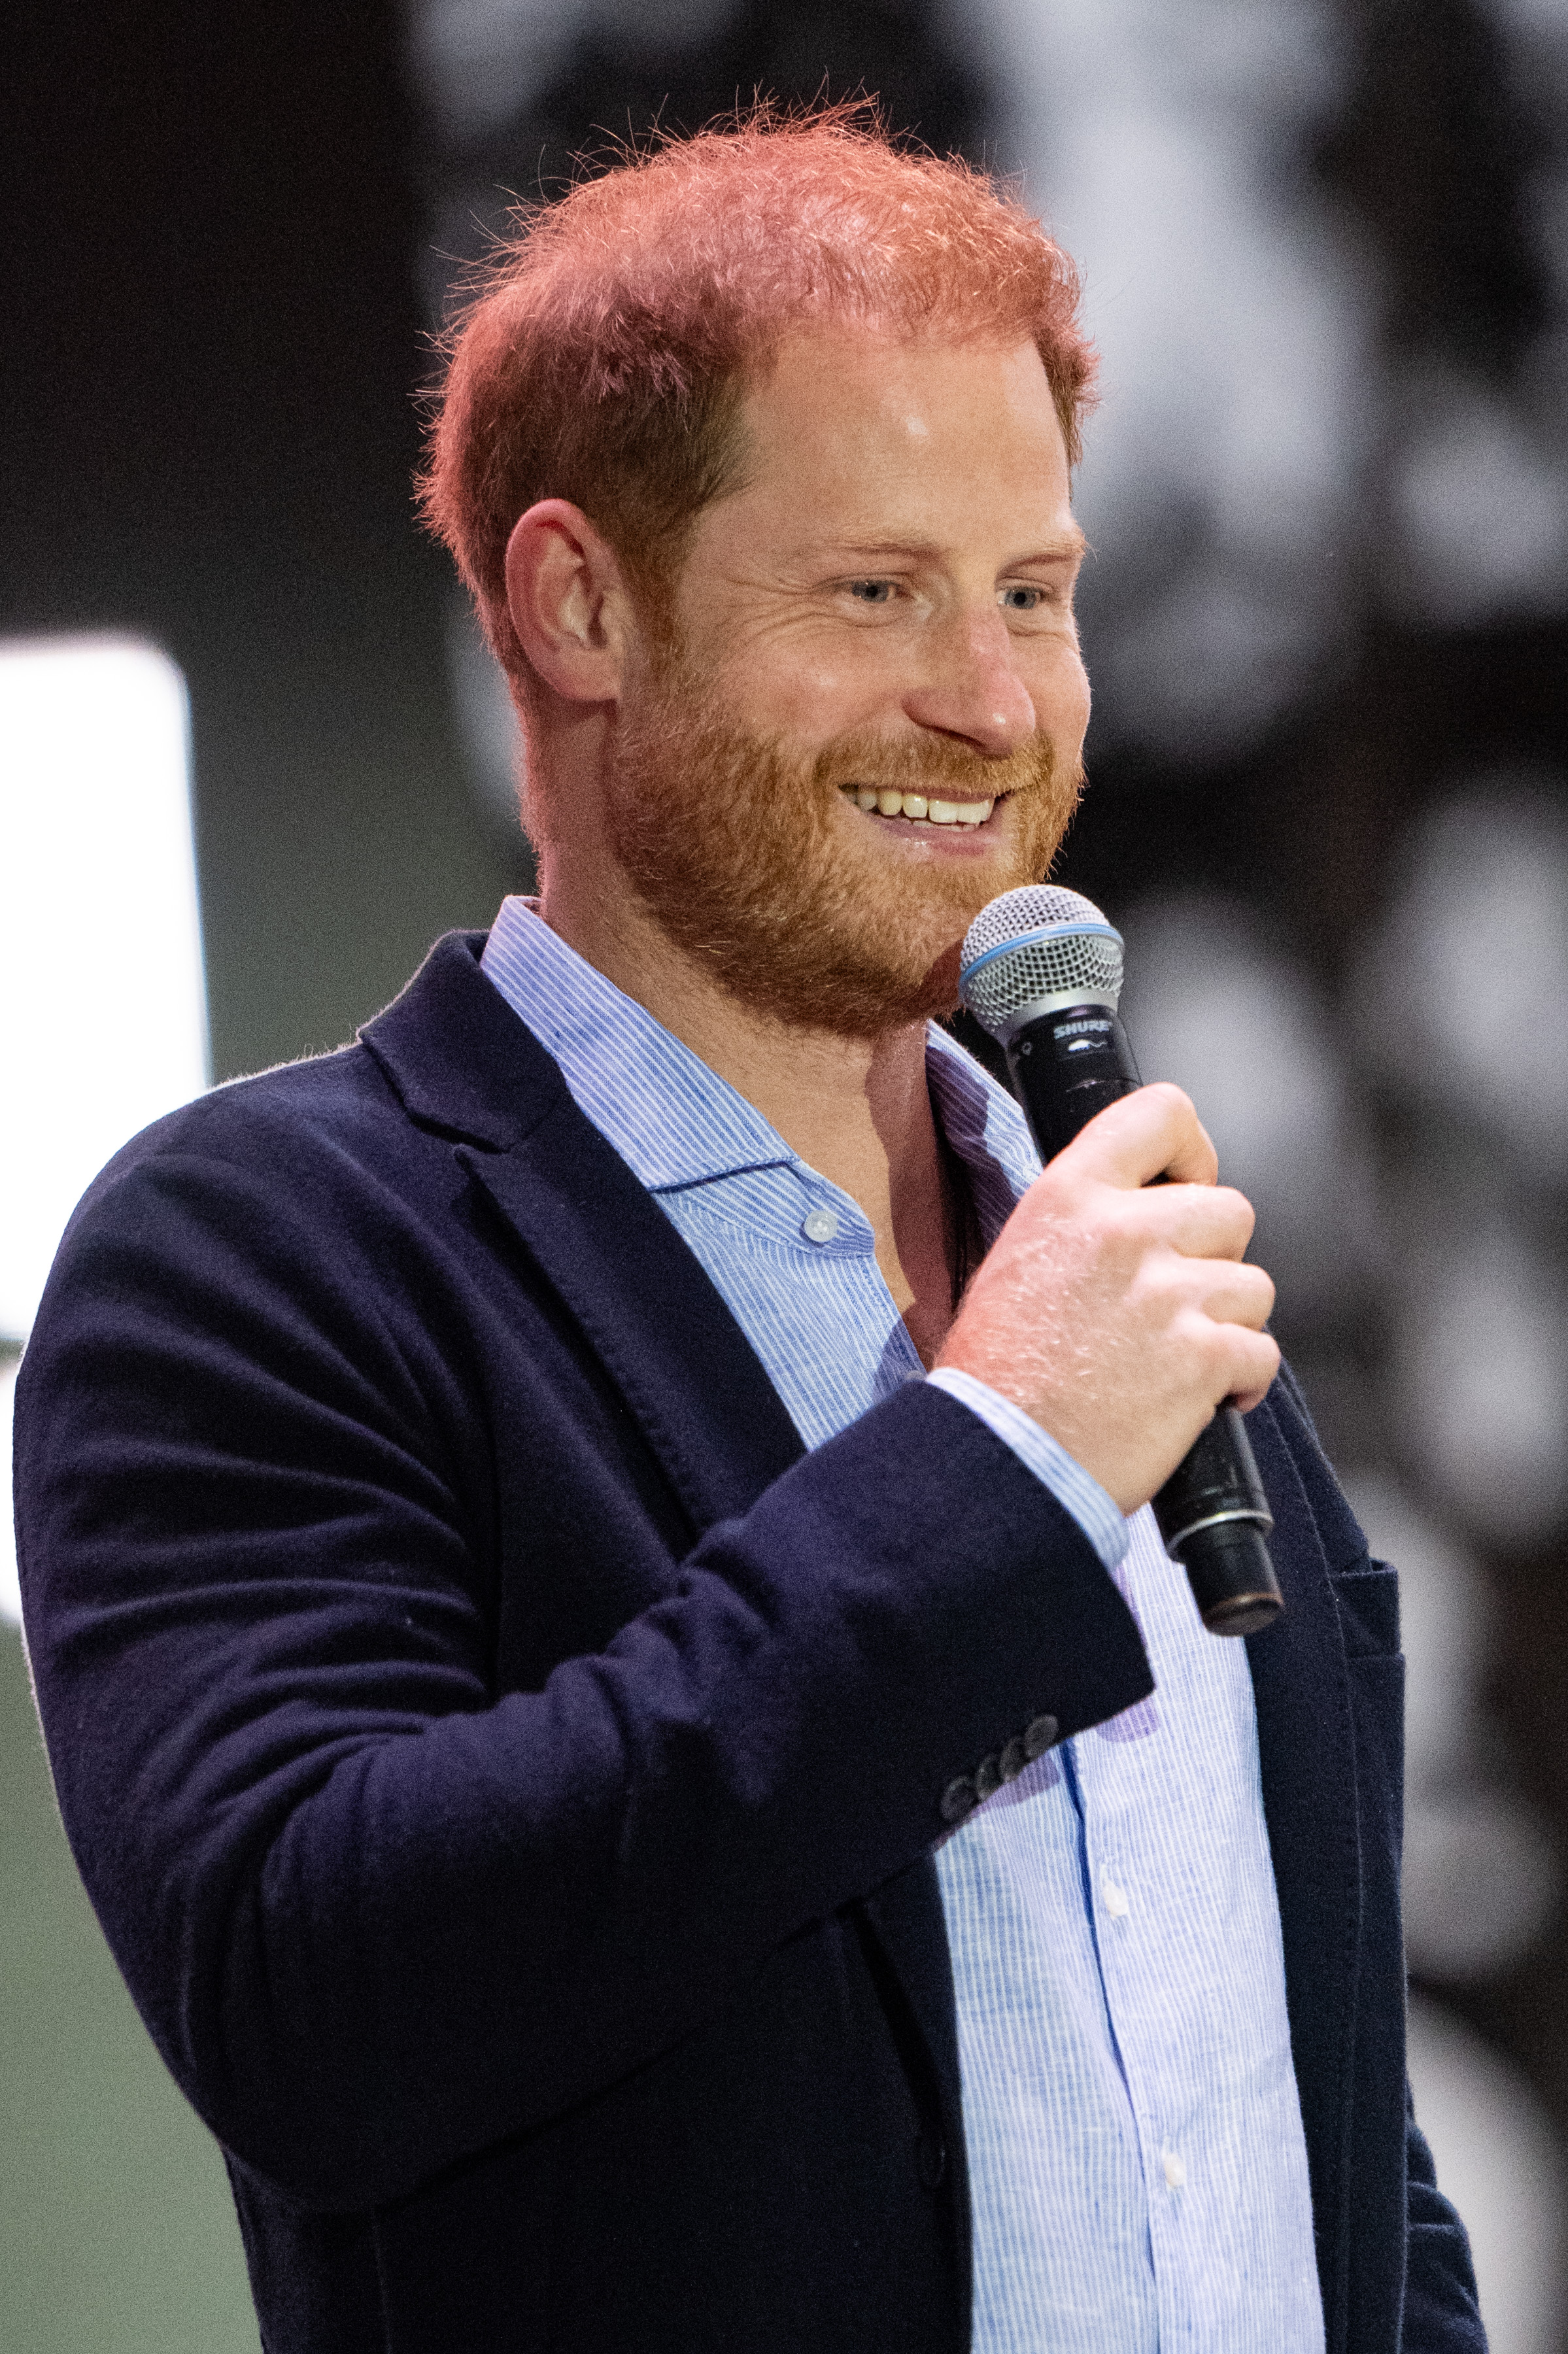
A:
(1041, 971)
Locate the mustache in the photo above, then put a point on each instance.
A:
(950, 770)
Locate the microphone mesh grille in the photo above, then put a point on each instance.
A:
(1056, 952)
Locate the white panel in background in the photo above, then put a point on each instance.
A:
(103, 1024)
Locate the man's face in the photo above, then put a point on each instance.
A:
(884, 609)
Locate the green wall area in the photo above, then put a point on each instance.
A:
(116, 2229)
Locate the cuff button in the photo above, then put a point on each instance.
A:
(1039, 1736)
(988, 1776)
(958, 1800)
(1015, 1759)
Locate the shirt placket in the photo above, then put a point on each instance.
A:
(1128, 1948)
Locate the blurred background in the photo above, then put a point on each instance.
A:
(1326, 252)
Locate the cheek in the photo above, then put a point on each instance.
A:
(1061, 692)
(807, 694)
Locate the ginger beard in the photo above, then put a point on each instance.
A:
(747, 859)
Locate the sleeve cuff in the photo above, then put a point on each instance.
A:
(1076, 1490)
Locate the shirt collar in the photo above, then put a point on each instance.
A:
(673, 1120)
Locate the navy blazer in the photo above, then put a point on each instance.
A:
(507, 1768)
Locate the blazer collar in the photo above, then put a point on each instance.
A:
(466, 1067)
(458, 1057)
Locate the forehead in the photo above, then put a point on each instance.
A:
(860, 426)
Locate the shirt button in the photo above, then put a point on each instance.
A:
(1175, 2172)
(1116, 1903)
(820, 1225)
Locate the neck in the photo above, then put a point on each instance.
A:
(857, 1110)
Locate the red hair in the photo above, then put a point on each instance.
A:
(605, 351)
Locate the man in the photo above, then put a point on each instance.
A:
(638, 1818)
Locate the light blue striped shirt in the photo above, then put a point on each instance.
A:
(1137, 2163)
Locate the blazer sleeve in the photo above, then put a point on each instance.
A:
(1442, 2311)
(378, 1913)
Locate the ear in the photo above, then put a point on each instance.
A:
(569, 602)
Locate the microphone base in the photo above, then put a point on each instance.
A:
(1231, 1578)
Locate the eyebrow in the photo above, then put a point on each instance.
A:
(1070, 545)
(1065, 549)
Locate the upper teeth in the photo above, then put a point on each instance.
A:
(888, 804)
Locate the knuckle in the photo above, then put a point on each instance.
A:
(1123, 1221)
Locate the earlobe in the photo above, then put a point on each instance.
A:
(569, 601)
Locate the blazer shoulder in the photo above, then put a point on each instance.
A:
(321, 1106)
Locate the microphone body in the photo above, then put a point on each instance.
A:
(1046, 987)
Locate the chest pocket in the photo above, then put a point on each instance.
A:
(1367, 1596)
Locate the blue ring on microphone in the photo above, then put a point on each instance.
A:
(1041, 932)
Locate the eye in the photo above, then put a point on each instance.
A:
(1020, 598)
(872, 592)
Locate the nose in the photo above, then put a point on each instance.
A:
(971, 688)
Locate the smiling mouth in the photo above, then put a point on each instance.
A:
(918, 807)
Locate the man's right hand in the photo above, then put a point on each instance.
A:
(1115, 1313)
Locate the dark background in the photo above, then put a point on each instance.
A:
(218, 234)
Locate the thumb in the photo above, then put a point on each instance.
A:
(1153, 1132)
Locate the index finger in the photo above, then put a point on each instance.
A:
(1153, 1132)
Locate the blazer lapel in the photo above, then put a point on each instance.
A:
(1307, 1753)
(464, 1064)
(653, 1319)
